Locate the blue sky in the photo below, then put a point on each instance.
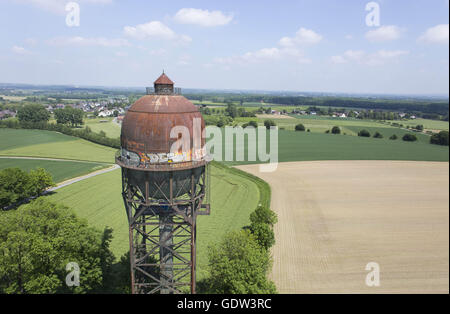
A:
(320, 46)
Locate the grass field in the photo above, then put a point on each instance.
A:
(317, 124)
(335, 217)
(303, 146)
(99, 200)
(111, 128)
(60, 170)
(427, 124)
(39, 143)
(388, 132)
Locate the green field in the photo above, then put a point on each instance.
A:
(111, 129)
(317, 124)
(39, 143)
(60, 170)
(388, 132)
(427, 124)
(304, 146)
(98, 199)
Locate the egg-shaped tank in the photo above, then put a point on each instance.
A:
(161, 139)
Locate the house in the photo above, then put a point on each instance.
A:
(342, 115)
(4, 114)
(105, 113)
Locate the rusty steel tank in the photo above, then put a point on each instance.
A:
(151, 127)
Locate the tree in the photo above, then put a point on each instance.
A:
(41, 180)
(300, 127)
(393, 137)
(17, 185)
(252, 123)
(269, 123)
(336, 130)
(231, 110)
(262, 221)
(264, 234)
(61, 116)
(69, 115)
(238, 265)
(263, 215)
(408, 137)
(440, 139)
(364, 133)
(378, 135)
(39, 240)
(33, 113)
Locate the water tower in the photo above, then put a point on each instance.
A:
(164, 190)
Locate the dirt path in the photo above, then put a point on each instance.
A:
(81, 178)
(337, 216)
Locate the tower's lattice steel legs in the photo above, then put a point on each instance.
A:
(163, 236)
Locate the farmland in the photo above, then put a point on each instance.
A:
(428, 124)
(38, 143)
(303, 146)
(335, 217)
(59, 169)
(99, 200)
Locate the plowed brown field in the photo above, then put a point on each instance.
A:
(335, 217)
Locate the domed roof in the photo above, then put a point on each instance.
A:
(163, 104)
(147, 126)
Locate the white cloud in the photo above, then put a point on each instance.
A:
(31, 41)
(265, 55)
(20, 50)
(58, 6)
(386, 54)
(373, 59)
(338, 59)
(201, 17)
(184, 60)
(436, 35)
(121, 54)
(158, 52)
(83, 41)
(384, 33)
(302, 37)
(290, 48)
(154, 29)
